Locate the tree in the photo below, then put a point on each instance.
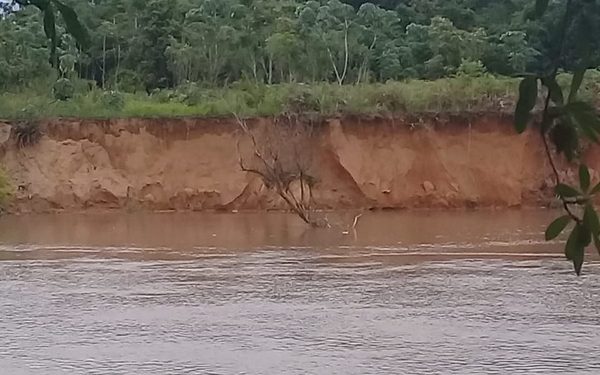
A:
(49, 8)
(157, 24)
(23, 51)
(377, 27)
(282, 157)
(517, 51)
(161, 43)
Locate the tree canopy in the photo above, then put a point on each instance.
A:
(137, 44)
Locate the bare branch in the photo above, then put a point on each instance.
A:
(355, 222)
(279, 160)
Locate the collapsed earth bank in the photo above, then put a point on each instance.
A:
(450, 161)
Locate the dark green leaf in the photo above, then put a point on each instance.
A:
(584, 177)
(589, 132)
(50, 23)
(597, 243)
(74, 27)
(590, 219)
(578, 258)
(575, 247)
(564, 136)
(555, 112)
(585, 236)
(586, 118)
(540, 7)
(528, 90)
(40, 4)
(526, 75)
(554, 90)
(556, 227)
(566, 191)
(580, 106)
(576, 84)
(50, 30)
(572, 241)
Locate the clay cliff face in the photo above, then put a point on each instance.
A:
(193, 164)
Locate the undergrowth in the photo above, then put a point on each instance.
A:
(5, 189)
(458, 94)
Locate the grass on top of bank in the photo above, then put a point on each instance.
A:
(458, 94)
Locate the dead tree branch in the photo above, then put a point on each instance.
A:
(279, 159)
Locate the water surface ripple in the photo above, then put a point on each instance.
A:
(488, 300)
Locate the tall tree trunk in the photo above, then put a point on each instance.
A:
(103, 61)
(363, 68)
(118, 59)
(254, 68)
(335, 69)
(270, 70)
(346, 52)
(118, 66)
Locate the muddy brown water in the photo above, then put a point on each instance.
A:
(406, 293)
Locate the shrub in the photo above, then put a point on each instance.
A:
(253, 94)
(129, 81)
(471, 68)
(390, 98)
(27, 133)
(63, 89)
(28, 112)
(5, 189)
(162, 96)
(113, 100)
(190, 94)
(83, 86)
(301, 99)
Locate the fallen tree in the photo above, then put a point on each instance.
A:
(282, 156)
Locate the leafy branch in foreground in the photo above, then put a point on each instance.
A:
(564, 120)
(49, 8)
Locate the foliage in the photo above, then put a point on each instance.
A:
(23, 53)
(301, 100)
(471, 68)
(485, 93)
(27, 133)
(5, 189)
(49, 9)
(564, 120)
(63, 89)
(135, 45)
(113, 100)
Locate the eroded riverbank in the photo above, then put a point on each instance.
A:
(474, 160)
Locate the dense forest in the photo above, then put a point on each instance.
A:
(143, 45)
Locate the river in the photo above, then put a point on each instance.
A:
(404, 293)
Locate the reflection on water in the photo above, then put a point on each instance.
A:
(407, 293)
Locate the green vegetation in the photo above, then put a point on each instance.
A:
(462, 93)
(27, 133)
(5, 189)
(138, 47)
(142, 45)
(265, 57)
(481, 93)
